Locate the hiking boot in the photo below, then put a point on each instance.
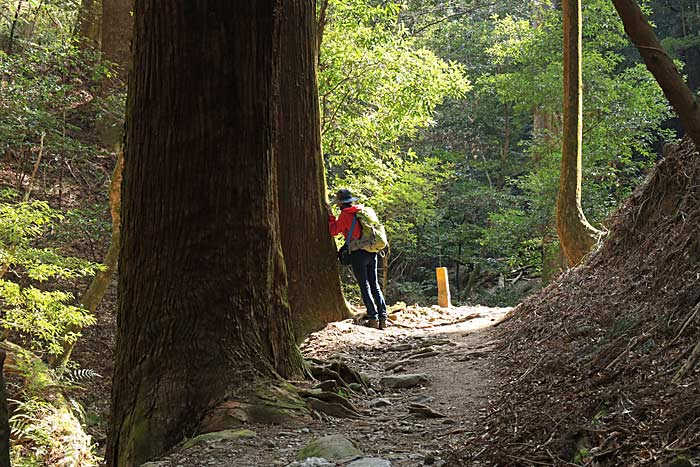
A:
(382, 324)
(372, 323)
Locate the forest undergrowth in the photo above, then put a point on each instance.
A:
(600, 368)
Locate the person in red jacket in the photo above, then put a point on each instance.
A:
(364, 263)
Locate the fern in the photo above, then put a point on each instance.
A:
(81, 374)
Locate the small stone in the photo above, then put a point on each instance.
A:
(313, 462)
(226, 435)
(380, 402)
(403, 381)
(156, 464)
(305, 430)
(422, 399)
(357, 387)
(370, 462)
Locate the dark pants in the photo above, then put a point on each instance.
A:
(364, 266)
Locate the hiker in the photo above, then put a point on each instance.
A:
(363, 262)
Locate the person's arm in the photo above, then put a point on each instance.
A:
(334, 224)
(340, 225)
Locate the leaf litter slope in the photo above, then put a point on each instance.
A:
(599, 365)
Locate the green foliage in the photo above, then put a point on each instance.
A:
(45, 317)
(41, 89)
(623, 113)
(453, 198)
(376, 87)
(45, 427)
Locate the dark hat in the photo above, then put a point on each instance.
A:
(343, 196)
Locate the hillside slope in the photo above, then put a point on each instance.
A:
(594, 362)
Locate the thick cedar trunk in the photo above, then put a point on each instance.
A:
(88, 28)
(661, 66)
(117, 31)
(4, 415)
(576, 235)
(203, 314)
(100, 283)
(315, 295)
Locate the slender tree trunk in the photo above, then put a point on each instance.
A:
(100, 283)
(660, 65)
(576, 235)
(4, 415)
(505, 151)
(203, 314)
(553, 258)
(13, 28)
(315, 295)
(88, 27)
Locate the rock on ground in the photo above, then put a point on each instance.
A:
(403, 381)
(333, 447)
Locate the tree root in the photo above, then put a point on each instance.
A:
(329, 408)
(331, 404)
(688, 365)
(273, 403)
(339, 372)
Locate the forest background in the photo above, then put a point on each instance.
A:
(445, 116)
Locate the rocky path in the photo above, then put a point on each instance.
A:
(429, 376)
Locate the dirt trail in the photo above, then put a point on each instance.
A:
(454, 356)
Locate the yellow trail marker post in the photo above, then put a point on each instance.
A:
(443, 288)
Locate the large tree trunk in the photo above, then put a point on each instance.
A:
(88, 28)
(661, 66)
(117, 31)
(576, 235)
(203, 314)
(315, 295)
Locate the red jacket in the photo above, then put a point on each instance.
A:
(344, 221)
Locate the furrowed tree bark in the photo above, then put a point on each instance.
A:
(576, 235)
(117, 32)
(100, 283)
(315, 295)
(660, 65)
(88, 28)
(203, 314)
